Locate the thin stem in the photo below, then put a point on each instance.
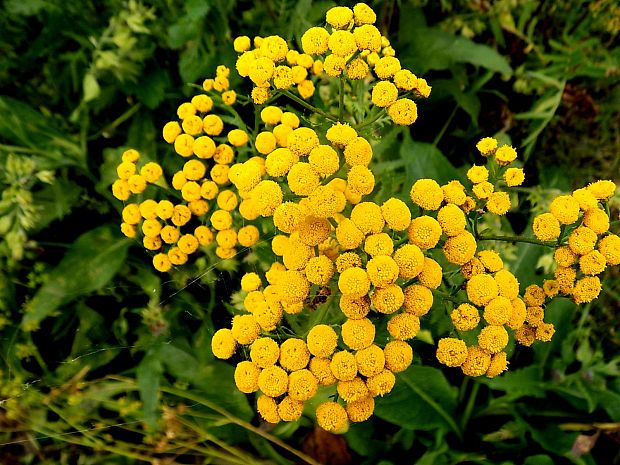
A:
(372, 121)
(117, 122)
(309, 106)
(445, 296)
(445, 127)
(470, 405)
(529, 240)
(341, 99)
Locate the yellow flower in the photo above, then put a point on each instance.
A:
(342, 43)
(261, 70)
(461, 248)
(360, 180)
(290, 119)
(519, 312)
(565, 208)
(454, 192)
(343, 366)
(294, 355)
(388, 299)
(586, 289)
(386, 67)
(565, 277)
(274, 48)
(493, 338)
(297, 255)
(352, 390)
(546, 227)
(534, 315)
(396, 214)
(322, 340)
(498, 311)
(451, 352)
(363, 14)
(498, 365)
(315, 41)
(320, 368)
(248, 236)
(499, 203)
(477, 362)
(551, 287)
(161, 262)
(325, 202)
(354, 308)
(357, 69)
(405, 80)
(334, 65)
(398, 356)
(204, 235)
(491, 260)
(424, 232)
(427, 194)
(481, 289)
(609, 246)
(213, 125)
(592, 263)
(602, 190)
(238, 137)
(246, 377)
(403, 326)
(268, 409)
(176, 256)
(381, 384)
(267, 196)
(378, 244)
(295, 286)
(597, 220)
(188, 243)
(514, 177)
(302, 385)
(358, 152)
(384, 94)
(505, 155)
(507, 283)
(582, 240)
(465, 317)
(382, 270)
(324, 159)
(185, 110)
(341, 134)
(347, 260)
(260, 95)
(368, 218)
(525, 335)
(273, 381)
(129, 230)
(358, 334)
(544, 332)
(290, 409)
(422, 88)
(136, 183)
(403, 112)
(171, 131)
(370, 361)
(245, 329)
(478, 174)
(332, 417)
(250, 282)
(585, 198)
(125, 170)
(431, 274)
(360, 410)
(452, 220)
(313, 230)
(241, 44)
(339, 17)
(487, 146)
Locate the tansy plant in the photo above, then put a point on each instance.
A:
(325, 323)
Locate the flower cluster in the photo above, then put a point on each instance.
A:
(578, 226)
(205, 204)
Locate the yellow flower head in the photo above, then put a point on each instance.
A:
(343, 366)
(477, 362)
(585, 198)
(324, 159)
(586, 289)
(498, 311)
(405, 80)
(565, 208)
(499, 203)
(410, 261)
(334, 65)
(507, 283)
(352, 390)
(602, 190)
(315, 41)
(498, 365)
(241, 44)
(525, 335)
(431, 274)
(403, 112)
(381, 384)
(363, 14)
(339, 17)
(490, 260)
(264, 352)
(427, 194)
(454, 192)
(388, 299)
(332, 417)
(478, 174)
(487, 146)
(582, 240)
(274, 48)
(382, 270)
(451, 352)
(290, 409)
(294, 354)
(452, 220)
(322, 340)
(313, 230)
(519, 312)
(378, 244)
(403, 326)
(609, 246)
(357, 69)
(368, 218)
(358, 334)
(245, 329)
(273, 381)
(268, 409)
(396, 214)
(465, 317)
(302, 385)
(424, 232)
(461, 248)
(514, 177)
(597, 220)
(360, 180)
(261, 70)
(544, 332)
(325, 202)
(347, 260)
(342, 43)
(398, 356)
(370, 361)
(358, 152)
(546, 227)
(246, 377)
(360, 410)
(505, 155)
(493, 338)
(341, 134)
(384, 94)
(386, 67)
(223, 344)
(354, 308)
(319, 270)
(481, 289)
(320, 368)
(472, 268)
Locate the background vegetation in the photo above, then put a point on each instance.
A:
(106, 361)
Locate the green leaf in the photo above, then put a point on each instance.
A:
(518, 383)
(422, 399)
(90, 87)
(55, 201)
(424, 160)
(148, 375)
(93, 259)
(538, 460)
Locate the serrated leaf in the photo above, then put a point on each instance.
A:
(93, 259)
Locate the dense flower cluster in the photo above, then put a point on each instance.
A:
(204, 209)
(350, 280)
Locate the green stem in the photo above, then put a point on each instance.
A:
(471, 402)
(341, 99)
(310, 107)
(372, 121)
(117, 122)
(529, 240)
(445, 296)
(445, 127)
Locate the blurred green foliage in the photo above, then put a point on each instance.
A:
(106, 361)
